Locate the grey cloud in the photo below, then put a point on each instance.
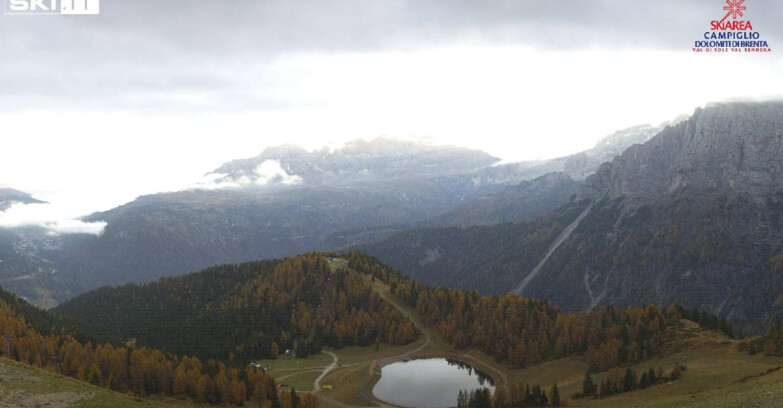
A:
(126, 57)
(269, 27)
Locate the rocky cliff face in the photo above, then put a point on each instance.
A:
(692, 216)
(732, 148)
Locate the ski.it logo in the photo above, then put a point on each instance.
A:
(51, 6)
(732, 33)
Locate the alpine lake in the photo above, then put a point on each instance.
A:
(428, 382)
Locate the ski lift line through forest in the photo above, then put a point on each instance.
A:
(520, 287)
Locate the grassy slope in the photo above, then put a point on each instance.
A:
(718, 375)
(24, 386)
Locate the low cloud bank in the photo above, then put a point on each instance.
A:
(271, 171)
(64, 227)
(49, 217)
(215, 181)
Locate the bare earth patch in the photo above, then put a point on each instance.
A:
(19, 399)
(11, 374)
(55, 400)
(12, 395)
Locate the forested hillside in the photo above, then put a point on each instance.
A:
(141, 371)
(44, 322)
(257, 310)
(247, 311)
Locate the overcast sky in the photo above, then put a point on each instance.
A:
(150, 95)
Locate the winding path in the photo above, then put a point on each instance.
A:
(330, 367)
(317, 386)
(551, 250)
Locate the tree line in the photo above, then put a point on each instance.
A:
(531, 396)
(770, 344)
(520, 396)
(618, 381)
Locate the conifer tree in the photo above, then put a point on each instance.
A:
(651, 377)
(629, 380)
(555, 395)
(273, 394)
(536, 394)
(294, 398)
(644, 381)
(588, 386)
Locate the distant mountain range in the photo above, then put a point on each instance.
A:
(9, 197)
(581, 165)
(547, 184)
(381, 160)
(284, 202)
(524, 201)
(288, 200)
(19, 257)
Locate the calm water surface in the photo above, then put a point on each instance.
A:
(431, 382)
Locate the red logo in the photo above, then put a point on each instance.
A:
(732, 34)
(734, 8)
